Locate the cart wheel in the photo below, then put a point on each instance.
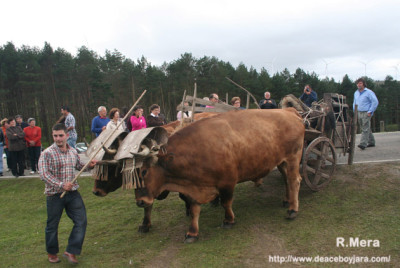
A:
(319, 163)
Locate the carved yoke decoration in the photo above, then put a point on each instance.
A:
(106, 154)
(135, 148)
(126, 153)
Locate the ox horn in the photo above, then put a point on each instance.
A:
(110, 151)
(107, 162)
(145, 151)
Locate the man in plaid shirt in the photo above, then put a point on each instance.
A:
(56, 168)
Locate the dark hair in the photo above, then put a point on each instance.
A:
(59, 126)
(10, 120)
(66, 108)
(112, 112)
(154, 106)
(137, 107)
(361, 80)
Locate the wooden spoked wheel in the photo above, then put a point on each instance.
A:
(319, 163)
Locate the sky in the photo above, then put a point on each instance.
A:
(330, 38)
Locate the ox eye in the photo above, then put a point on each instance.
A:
(144, 172)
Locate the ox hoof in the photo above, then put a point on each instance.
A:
(292, 214)
(144, 229)
(285, 204)
(189, 239)
(228, 225)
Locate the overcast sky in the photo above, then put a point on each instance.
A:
(326, 37)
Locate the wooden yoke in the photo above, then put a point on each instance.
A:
(100, 147)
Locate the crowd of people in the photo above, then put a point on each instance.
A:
(57, 163)
(20, 140)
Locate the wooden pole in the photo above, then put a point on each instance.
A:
(248, 92)
(183, 104)
(353, 136)
(194, 101)
(248, 101)
(100, 147)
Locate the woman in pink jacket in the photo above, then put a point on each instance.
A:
(137, 119)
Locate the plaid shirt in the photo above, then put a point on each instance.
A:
(57, 167)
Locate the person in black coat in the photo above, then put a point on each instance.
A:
(155, 119)
(267, 102)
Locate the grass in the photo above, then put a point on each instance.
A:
(362, 201)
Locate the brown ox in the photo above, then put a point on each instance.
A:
(102, 188)
(209, 157)
(174, 126)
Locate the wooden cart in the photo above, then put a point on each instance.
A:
(330, 130)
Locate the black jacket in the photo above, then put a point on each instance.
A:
(268, 105)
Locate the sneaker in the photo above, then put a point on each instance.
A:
(53, 258)
(362, 147)
(32, 172)
(70, 258)
(371, 145)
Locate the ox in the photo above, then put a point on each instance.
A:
(102, 188)
(209, 157)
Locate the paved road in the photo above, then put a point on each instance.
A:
(387, 149)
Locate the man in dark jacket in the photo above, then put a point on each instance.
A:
(267, 102)
(16, 146)
(309, 96)
(155, 119)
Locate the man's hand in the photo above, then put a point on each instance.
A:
(103, 128)
(32, 143)
(67, 186)
(92, 163)
(369, 114)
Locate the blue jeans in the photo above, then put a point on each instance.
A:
(72, 142)
(75, 208)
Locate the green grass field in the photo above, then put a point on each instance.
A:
(362, 201)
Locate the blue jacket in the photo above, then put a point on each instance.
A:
(308, 99)
(98, 123)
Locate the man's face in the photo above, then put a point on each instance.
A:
(19, 120)
(236, 104)
(103, 112)
(60, 138)
(360, 85)
(32, 123)
(267, 95)
(12, 123)
(63, 111)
